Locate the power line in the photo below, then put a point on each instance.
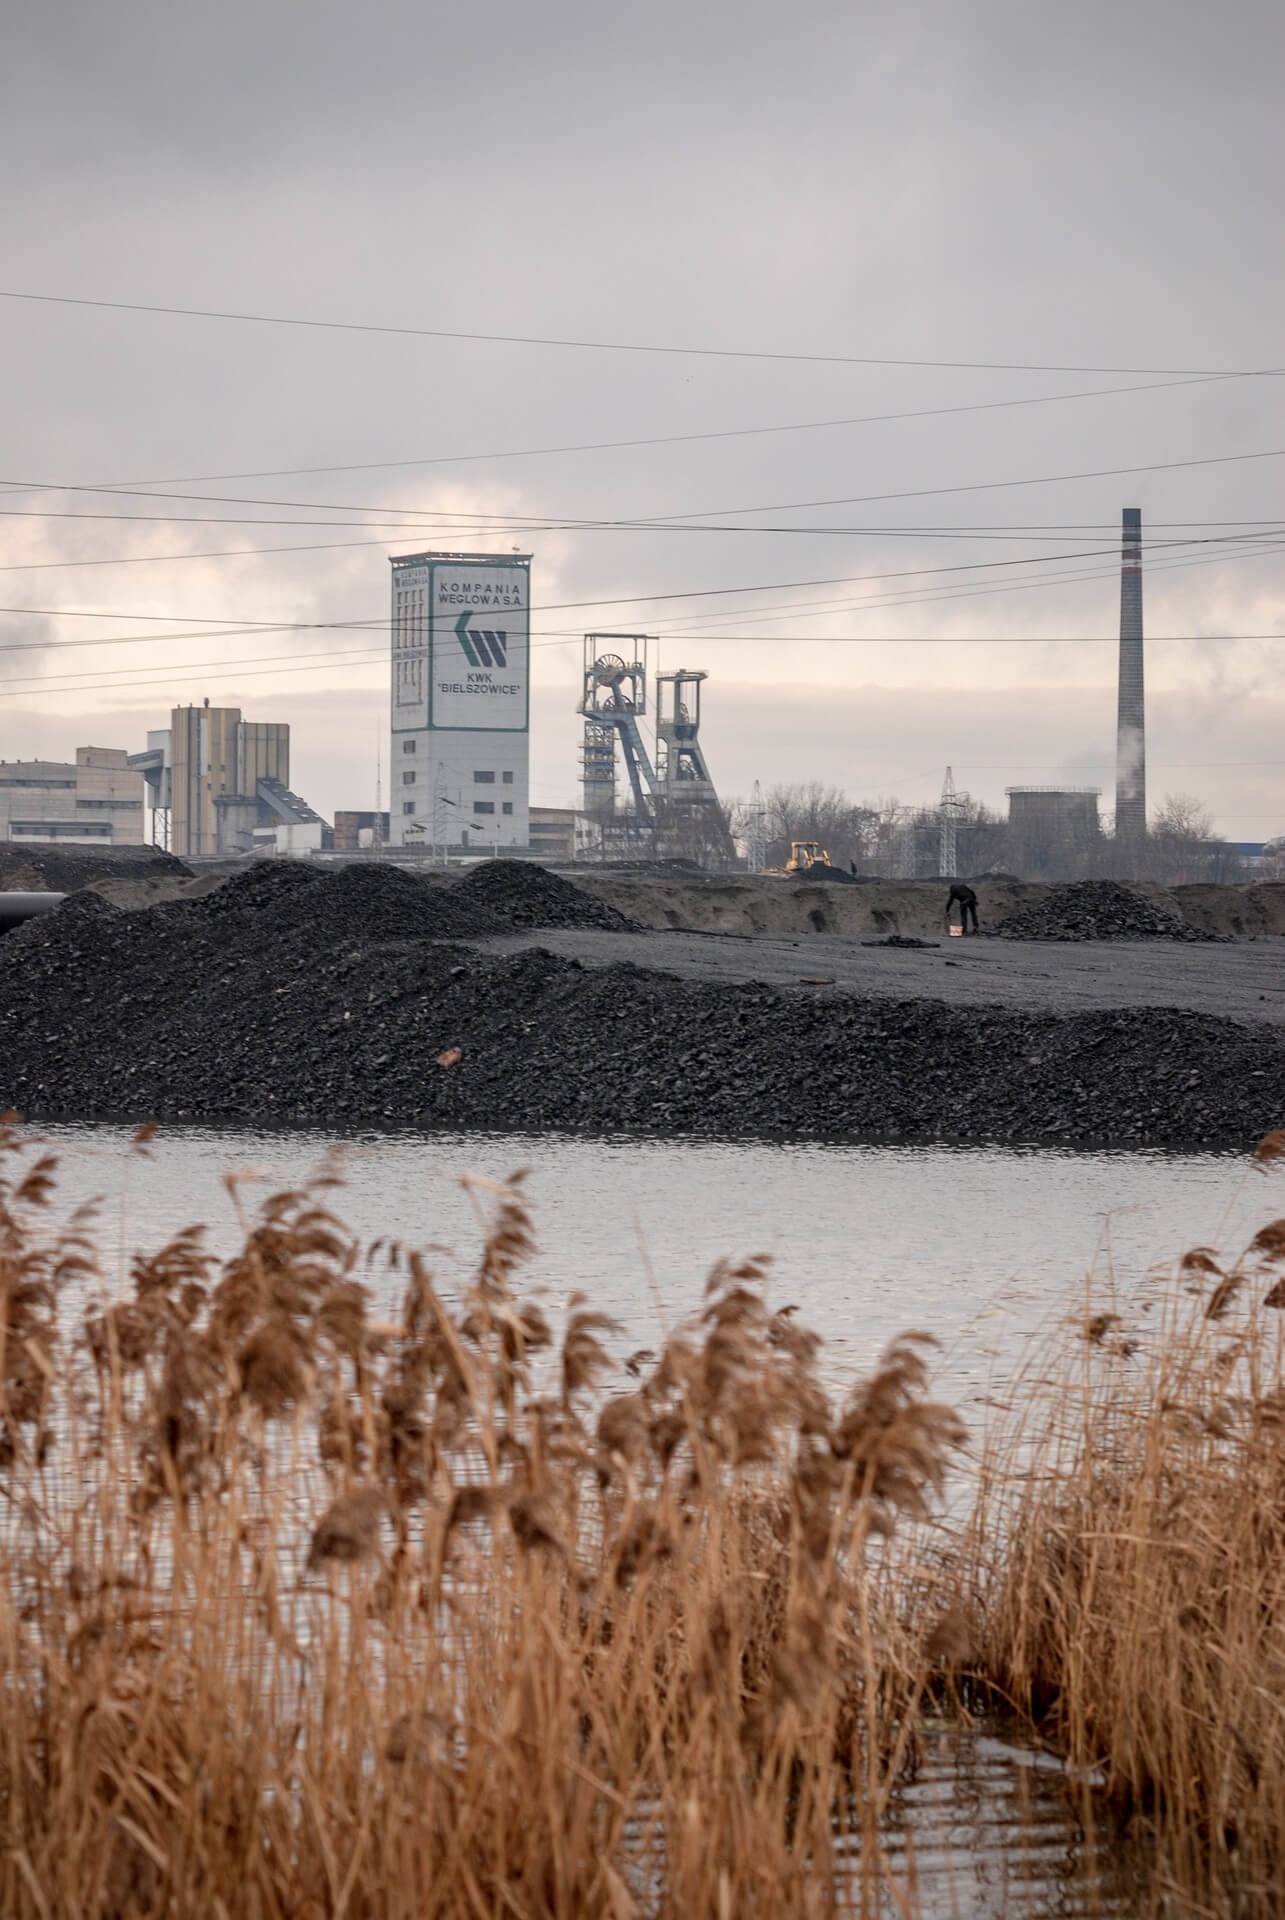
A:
(476, 522)
(344, 546)
(653, 440)
(348, 658)
(978, 486)
(610, 346)
(230, 626)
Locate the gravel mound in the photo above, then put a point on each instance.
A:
(1098, 910)
(520, 896)
(303, 1002)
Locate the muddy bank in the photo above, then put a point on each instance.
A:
(334, 1001)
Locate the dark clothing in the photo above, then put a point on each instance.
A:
(967, 901)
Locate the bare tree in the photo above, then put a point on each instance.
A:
(815, 812)
(1182, 846)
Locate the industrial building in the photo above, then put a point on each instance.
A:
(219, 784)
(1131, 726)
(1053, 832)
(94, 801)
(671, 805)
(459, 764)
(360, 830)
(553, 832)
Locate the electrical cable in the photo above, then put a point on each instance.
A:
(606, 346)
(654, 440)
(232, 625)
(663, 523)
(569, 521)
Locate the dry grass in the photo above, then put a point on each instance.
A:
(305, 1614)
(1130, 1550)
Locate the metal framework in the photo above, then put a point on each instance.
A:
(756, 839)
(671, 800)
(948, 818)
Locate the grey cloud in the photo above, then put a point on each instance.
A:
(978, 181)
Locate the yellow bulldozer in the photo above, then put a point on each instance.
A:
(804, 856)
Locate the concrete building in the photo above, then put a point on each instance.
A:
(460, 701)
(221, 785)
(1052, 831)
(94, 801)
(357, 829)
(553, 832)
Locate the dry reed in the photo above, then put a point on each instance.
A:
(1129, 1550)
(304, 1613)
(307, 1613)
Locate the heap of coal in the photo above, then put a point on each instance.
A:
(523, 896)
(907, 940)
(315, 999)
(48, 869)
(1098, 910)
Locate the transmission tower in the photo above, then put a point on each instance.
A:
(756, 839)
(948, 818)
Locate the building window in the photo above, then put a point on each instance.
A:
(508, 779)
(507, 807)
(408, 779)
(408, 746)
(484, 806)
(483, 779)
(408, 806)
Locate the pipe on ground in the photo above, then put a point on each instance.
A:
(17, 907)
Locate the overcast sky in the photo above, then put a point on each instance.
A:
(1042, 189)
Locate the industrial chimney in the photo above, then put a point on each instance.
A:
(1131, 737)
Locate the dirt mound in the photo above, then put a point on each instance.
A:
(1098, 910)
(49, 869)
(518, 896)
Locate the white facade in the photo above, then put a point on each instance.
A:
(95, 802)
(459, 756)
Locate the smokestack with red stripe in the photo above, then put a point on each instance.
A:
(1131, 737)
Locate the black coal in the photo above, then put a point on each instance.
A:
(1098, 910)
(328, 999)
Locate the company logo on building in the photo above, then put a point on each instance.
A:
(482, 646)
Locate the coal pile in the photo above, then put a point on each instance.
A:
(313, 999)
(48, 869)
(908, 940)
(520, 897)
(288, 899)
(1098, 910)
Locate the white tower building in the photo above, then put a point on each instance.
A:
(461, 701)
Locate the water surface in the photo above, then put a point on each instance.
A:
(982, 1247)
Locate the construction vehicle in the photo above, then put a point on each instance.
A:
(805, 857)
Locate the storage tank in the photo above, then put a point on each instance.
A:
(1052, 829)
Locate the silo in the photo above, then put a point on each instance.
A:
(1053, 831)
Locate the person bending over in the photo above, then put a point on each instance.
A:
(967, 901)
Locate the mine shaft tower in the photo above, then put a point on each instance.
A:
(672, 799)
